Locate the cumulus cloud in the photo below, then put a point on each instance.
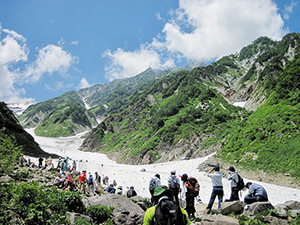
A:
(13, 52)
(288, 9)
(203, 31)
(83, 84)
(127, 64)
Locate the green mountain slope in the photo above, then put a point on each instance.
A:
(10, 127)
(181, 116)
(34, 114)
(67, 120)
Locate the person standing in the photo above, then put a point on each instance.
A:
(154, 182)
(174, 185)
(40, 162)
(97, 178)
(189, 197)
(64, 165)
(82, 181)
(233, 177)
(74, 165)
(257, 193)
(216, 179)
(91, 185)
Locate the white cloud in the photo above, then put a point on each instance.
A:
(83, 84)
(127, 64)
(216, 28)
(14, 52)
(200, 30)
(58, 86)
(74, 42)
(288, 9)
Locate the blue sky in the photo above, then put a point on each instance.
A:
(50, 47)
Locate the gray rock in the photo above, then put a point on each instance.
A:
(225, 220)
(5, 179)
(294, 213)
(280, 211)
(229, 207)
(126, 217)
(73, 217)
(292, 204)
(257, 208)
(274, 221)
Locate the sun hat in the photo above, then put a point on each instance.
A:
(159, 190)
(173, 171)
(231, 168)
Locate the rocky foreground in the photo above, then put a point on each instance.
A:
(131, 211)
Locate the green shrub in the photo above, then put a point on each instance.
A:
(99, 213)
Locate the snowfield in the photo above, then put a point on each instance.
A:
(131, 175)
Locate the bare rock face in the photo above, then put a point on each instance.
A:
(229, 207)
(257, 208)
(73, 217)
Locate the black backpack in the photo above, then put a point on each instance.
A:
(240, 184)
(194, 182)
(152, 184)
(167, 212)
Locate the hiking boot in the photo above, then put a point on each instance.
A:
(208, 211)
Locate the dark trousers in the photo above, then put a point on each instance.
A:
(190, 204)
(217, 191)
(252, 199)
(234, 194)
(175, 195)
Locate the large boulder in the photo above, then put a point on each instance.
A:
(274, 221)
(125, 212)
(229, 207)
(281, 211)
(225, 220)
(292, 204)
(73, 217)
(257, 207)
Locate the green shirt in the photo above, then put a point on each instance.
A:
(150, 214)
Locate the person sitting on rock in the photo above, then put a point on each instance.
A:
(119, 190)
(59, 181)
(110, 189)
(131, 192)
(166, 211)
(257, 193)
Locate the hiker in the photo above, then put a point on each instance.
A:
(110, 189)
(257, 193)
(103, 179)
(97, 178)
(216, 179)
(59, 163)
(114, 183)
(154, 182)
(119, 190)
(70, 183)
(106, 180)
(82, 181)
(233, 177)
(64, 166)
(91, 185)
(174, 185)
(40, 162)
(74, 165)
(59, 181)
(191, 187)
(131, 192)
(22, 161)
(49, 161)
(156, 214)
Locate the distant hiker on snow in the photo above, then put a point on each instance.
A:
(233, 177)
(131, 192)
(91, 184)
(192, 190)
(174, 185)
(82, 181)
(216, 179)
(154, 182)
(40, 162)
(257, 193)
(166, 211)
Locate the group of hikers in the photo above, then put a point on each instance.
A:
(165, 198)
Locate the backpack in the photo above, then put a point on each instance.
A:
(90, 181)
(174, 182)
(240, 184)
(152, 184)
(131, 193)
(194, 182)
(167, 212)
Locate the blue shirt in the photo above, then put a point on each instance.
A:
(216, 178)
(256, 189)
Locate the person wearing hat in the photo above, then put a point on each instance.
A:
(119, 190)
(189, 198)
(82, 181)
(154, 182)
(174, 185)
(165, 196)
(233, 177)
(216, 179)
(131, 192)
(257, 193)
